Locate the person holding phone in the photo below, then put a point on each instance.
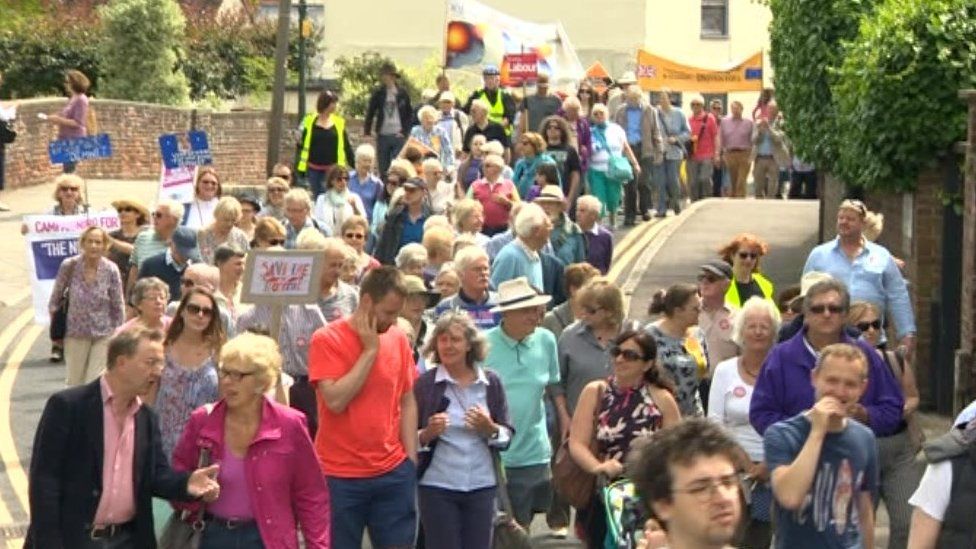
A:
(462, 417)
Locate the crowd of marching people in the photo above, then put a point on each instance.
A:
(467, 353)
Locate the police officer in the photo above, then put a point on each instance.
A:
(502, 105)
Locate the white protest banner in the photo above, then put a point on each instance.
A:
(50, 240)
(279, 277)
(177, 183)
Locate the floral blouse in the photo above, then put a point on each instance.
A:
(181, 391)
(96, 309)
(682, 366)
(207, 242)
(624, 415)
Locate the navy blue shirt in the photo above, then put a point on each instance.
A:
(413, 231)
(848, 465)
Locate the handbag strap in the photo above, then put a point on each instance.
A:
(202, 461)
(504, 501)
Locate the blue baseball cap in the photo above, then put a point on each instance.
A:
(185, 241)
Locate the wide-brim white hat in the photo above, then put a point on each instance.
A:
(518, 294)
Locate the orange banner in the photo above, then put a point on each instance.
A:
(654, 73)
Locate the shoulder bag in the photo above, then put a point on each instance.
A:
(897, 364)
(571, 481)
(180, 532)
(7, 133)
(507, 533)
(618, 167)
(59, 320)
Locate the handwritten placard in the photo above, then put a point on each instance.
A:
(82, 148)
(282, 276)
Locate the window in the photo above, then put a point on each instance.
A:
(715, 18)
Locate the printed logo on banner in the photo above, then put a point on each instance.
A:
(82, 148)
(49, 255)
(175, 156)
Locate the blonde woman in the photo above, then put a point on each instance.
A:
(206, 195)
(433, 136)
(469, 219)
(222, 230)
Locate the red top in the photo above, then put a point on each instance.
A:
(704, 148)
(496, 215)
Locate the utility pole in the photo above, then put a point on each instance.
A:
(304, 32)
(278, 95)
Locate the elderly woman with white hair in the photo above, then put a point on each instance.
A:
(754, 330)
(496, 194)
(412, 259)
(522, 256)
(580, 135)
(433, 136)
(482, 125)
(469, 219)
(609, 140)
(337, 203)
(362, 181)
(223, 230)
(440, 192)
(298, 216)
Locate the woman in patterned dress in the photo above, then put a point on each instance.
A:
(634, 402)
(223, 230)
(680, 306)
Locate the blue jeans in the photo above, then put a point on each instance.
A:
(386, 505)
(218, 536)
(457, 520)
(316, 182)
(668, 190)
(387, 148)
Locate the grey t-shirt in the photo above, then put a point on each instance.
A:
(341, 303)
(581, 360)
(539, 108)
(392, 124)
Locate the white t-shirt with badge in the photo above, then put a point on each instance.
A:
(728, 406)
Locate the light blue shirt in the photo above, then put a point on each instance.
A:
(633, 125)
(291, 234)
(497, 242)
(675, 124)
(513, 261)
(872, 276)
(526, 368)
(765, 147)
(462, 458)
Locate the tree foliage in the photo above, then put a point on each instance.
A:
(806, 37)
(896, 90)
(140, 43)
(36, 52)
(359, 76)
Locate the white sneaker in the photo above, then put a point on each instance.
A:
(4, 207)
(560, 533)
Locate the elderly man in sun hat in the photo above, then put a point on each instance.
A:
(524, 356)
(568, 243)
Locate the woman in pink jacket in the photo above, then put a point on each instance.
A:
(270, 481)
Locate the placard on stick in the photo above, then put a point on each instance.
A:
(280, 277)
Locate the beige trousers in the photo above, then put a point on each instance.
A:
(84, 359)
(737, 162)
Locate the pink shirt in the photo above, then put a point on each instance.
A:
(118, 502)
(132, 322)
(736, 134)
(234, 502)
(496, 215)
(705, 146)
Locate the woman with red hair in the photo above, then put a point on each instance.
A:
(744, 253)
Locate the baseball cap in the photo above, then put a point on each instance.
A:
(490, 70)
(185, 241)
(718, 268)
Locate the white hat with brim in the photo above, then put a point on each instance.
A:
(518, 294)
(628, 77)
(807, 282)
(551, 193)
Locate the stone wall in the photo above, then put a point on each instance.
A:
(238, 140)
(965, 364)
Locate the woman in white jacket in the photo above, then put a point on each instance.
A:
(337, 203)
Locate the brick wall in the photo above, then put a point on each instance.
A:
(239, 141)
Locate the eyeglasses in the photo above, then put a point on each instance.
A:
(628, 354)
(126, 209)
(865, 326)
(158, 215)
(276, 189)
(748, 255)
(276, 242)
(73, 189)
(194, 310)
(821, 309)
(354, 236)
(233, 374)
(706, 488)
(591, 310)
(343, 177)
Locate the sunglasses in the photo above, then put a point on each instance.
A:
(392, 181)
(342, 177)
(748, 255)
(873, 325)
(354, 236)
(126, 209)
(233, 374)
(275, 190)
(276, 242)
(69, 188)
(628, 354)
(195, 310)
(821, 309)
(158, 215)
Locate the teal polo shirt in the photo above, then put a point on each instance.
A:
(525, 367)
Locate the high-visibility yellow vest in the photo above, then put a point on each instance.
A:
(497, 111)
(307, 123)
(765, 286)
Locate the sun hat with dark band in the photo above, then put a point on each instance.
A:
(518, 294)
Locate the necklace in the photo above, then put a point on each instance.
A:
(749, 372)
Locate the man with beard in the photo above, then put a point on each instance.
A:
(363, 368)
(823, 464)
(687, 477)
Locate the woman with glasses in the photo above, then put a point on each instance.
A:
(679, 307)
(337, 203)
(69, 198)
(268, 232)
(250, 208)
(274, 200)
(754, 330)
(270, 482)
(634, 402)
(133, 219)
(558, 146)
(223, 230)
(149, 298)
(395, 177)
(93, 287)
(496, 194)
(189, 378)
(900, 474)
(744, 253)
(532, 148)
(199, 213)
(355, 231)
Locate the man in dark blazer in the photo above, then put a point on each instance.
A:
(71, 505)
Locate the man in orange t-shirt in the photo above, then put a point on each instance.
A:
(363, 369)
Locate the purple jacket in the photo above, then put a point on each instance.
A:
(784, 388)
(599, 248)
(285, 484)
